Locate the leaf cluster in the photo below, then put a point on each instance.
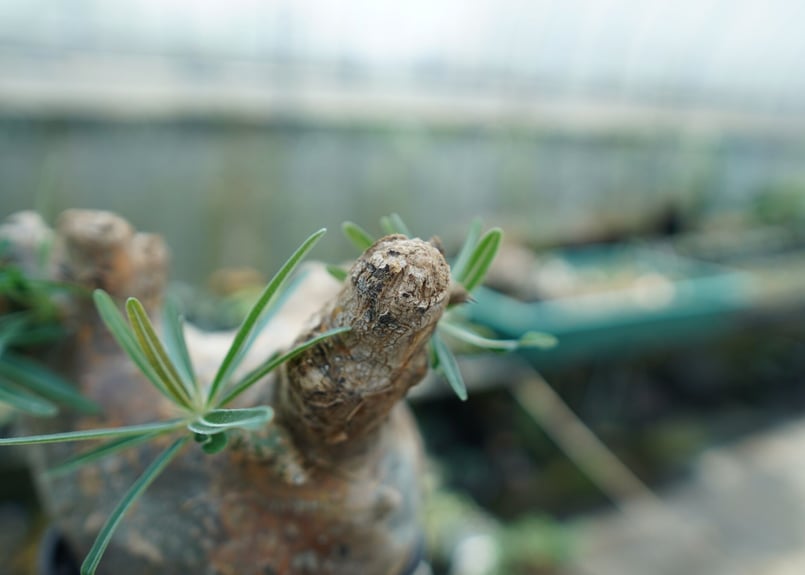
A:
(29, 320)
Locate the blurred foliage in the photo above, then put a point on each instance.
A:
(535, 544)
(780, 204)
(20, 292)
(29, 319)
(465, 539)
(657, 412)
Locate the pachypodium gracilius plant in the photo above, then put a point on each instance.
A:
(205, 417)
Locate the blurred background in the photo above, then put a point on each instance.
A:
(646, 160)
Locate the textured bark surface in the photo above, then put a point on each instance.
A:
(330, 487)
(336, 395)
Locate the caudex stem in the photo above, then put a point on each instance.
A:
(335, 395)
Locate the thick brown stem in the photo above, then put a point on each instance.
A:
(340, 391)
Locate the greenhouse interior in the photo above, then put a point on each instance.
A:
(556, 325)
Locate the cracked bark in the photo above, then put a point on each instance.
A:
(330, 487)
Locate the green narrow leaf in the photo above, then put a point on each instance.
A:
(530, 339)
(33, 377)
(449, 366)
(135, 491)
(273, 362)
(387, 226)
(276, 304)
(103, 450)
(155, 353)
(399, 225)
(242, 341)
(337, 272)
(38, 334)
(433, 359)
(394, 224)
(482, 257)
(238, 417)
(43, 253)
(203, 431)
(538, 339)
(124, 336)
(215, 443)
(459, 267)
(12, 395)
(360, 238)
(219, 420)
(12, 325)
(176, 346)
(89, 434)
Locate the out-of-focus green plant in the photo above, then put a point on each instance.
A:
(463, 535)
(467, 272)
(167, 366)
(25, 385)
(781, 204)
(31, 319)
(534, 544)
